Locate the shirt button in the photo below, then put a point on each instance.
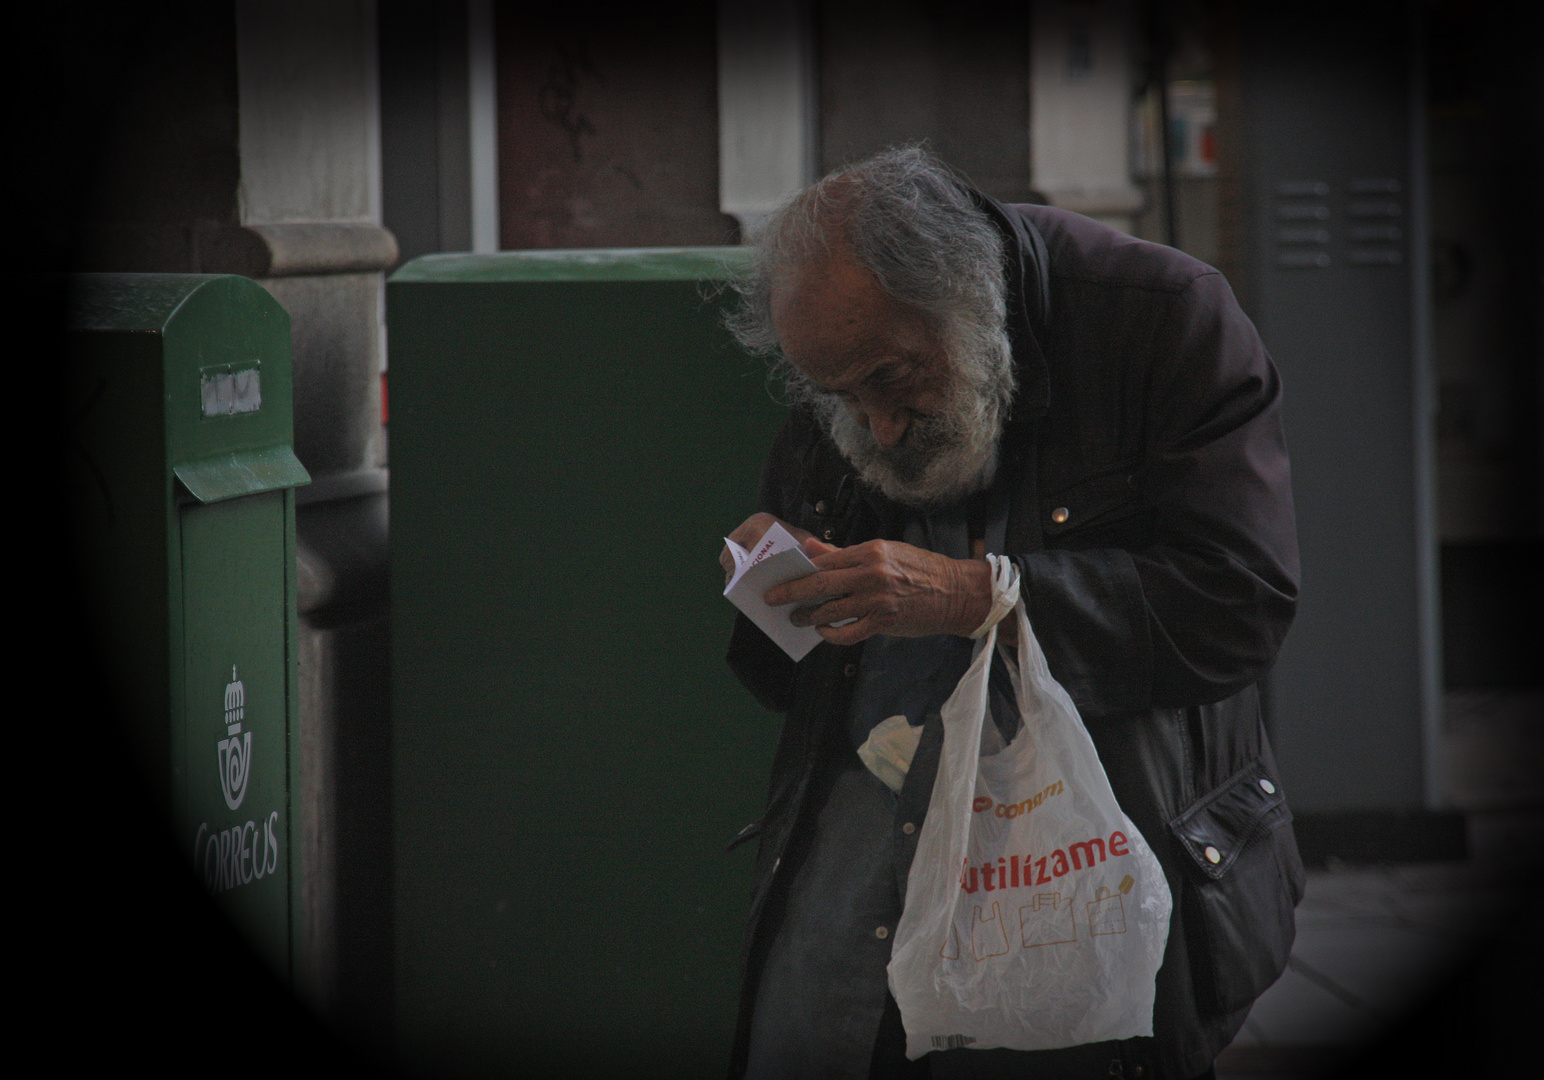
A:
(882, 932)
(908, 828)
(1059, 515)
(1267, 787)
(850, 670)
(829, 533)
(820, 507)
(1213, 856)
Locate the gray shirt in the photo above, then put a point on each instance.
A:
(823, 984)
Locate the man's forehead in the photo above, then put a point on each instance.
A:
(833, 319)
(831, 276)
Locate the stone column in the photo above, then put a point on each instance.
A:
(310, 231)
(1080, 107)
(766, 106)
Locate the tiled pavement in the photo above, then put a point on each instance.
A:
(1414, 963)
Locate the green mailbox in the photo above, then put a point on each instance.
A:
(182, 478)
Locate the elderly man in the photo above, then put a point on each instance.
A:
(967, 377)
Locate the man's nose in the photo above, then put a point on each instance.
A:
(887, 423)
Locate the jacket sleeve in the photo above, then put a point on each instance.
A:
(766, 670)
(1197, 610)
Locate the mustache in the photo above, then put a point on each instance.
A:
(941, 457)
(926, 434)
(945, 454)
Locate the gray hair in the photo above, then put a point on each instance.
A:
(911, 223)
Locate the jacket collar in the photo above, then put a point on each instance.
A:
(1028, 306)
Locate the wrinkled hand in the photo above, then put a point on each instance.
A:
(889, 588)
(749, 534)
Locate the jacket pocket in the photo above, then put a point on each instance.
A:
(1110, 495)
(1243, 878)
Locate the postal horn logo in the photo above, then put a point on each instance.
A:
(236, 748)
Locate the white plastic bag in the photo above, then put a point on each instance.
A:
(1036, 915)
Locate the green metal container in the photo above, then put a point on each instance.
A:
(572, 434)
(182, 478)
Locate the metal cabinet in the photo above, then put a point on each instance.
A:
(572, 434)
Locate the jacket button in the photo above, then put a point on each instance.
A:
(882, 932)
(1213, 856)
(1060, 515)
(820, 507)
(908, 828)
(829, 533)
(1267, 787)
(850, 670)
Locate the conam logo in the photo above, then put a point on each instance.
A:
(983, 803)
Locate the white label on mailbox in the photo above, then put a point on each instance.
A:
(227, 392)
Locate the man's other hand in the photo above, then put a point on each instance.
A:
(888, 587)
(749, 534)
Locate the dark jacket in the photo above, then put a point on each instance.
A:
(1151, 517)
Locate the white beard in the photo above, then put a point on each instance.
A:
(944, 456)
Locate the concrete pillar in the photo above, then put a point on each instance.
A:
(483, 123)
(310, 190)
(766, 106)
(1081, 68)
(439, 126)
